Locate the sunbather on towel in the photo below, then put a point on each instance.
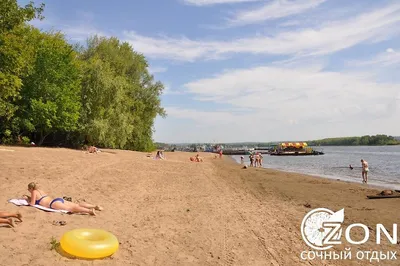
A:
(6, 218)
(38, 197)
(92, 149)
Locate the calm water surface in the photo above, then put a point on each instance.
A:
(384, 164)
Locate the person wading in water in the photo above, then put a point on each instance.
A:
(365, 171)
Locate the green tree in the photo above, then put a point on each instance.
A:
(12, 15)
(364, 140)
(15, 57)
(120, 99)
(51, 92)
(102, 92)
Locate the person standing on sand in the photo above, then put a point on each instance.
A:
(241, 160)
(6, 218)
(260, 160)
(365, 171)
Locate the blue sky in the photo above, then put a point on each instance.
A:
(256, 70)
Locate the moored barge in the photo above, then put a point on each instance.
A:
(294, 149)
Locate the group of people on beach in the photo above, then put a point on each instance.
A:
(256, 160)
(39, 197)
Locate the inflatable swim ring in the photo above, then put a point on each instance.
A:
(89, 243)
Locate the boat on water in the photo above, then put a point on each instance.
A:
(243, 151)
(234, 152)
(294, 149)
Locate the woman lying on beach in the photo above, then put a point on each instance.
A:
(38, 197)
(92, 149)
(6, 218)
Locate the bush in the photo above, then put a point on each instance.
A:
(26, 140)
(7, 139)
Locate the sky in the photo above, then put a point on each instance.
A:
(256, 70)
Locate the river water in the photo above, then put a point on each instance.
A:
(384, 164)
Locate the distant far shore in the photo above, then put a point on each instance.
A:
(375, 140)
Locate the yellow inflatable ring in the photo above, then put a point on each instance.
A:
(89, 243)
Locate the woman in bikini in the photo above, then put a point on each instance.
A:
(38, 197)
(6, 218)
(257, 160)
(251, 157)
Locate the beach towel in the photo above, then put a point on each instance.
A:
(23, 202)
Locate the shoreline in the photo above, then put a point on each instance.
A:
(377, 185)
(298, 194)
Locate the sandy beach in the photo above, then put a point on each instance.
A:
(177, 212)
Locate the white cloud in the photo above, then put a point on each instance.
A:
(78, 30)
(215, 2)
(287, 103)
(168, 91)
(155, 70)
(164, 47)
(81, 32)
(290, 23)
(326, 39)
(204, 118)
(274, 10)
(299, 94)
(388, 58)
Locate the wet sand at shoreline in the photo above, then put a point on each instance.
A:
(177, 212)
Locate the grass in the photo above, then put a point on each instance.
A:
(54, 244)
